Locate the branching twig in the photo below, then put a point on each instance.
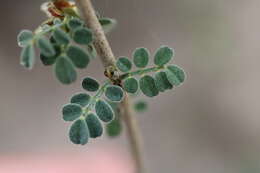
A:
(107, 57)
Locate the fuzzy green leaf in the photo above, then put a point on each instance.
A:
(83, 36)
(81, 99)
(61, 37)
(163, 55)
(51, 60)
(130, 85)
(71, 112)
(175, 75)
(114, 128)
(107, 24)
(114, 93)
(94, 126)
(90, 84)
(140, 106)
(104, 111)
(162, 82)
(46, 47)
(65, 70)
(141, 57)
(24, 38)
(78, 56)
(124, 64)
(75, 23)
(28, 57)
(148, 87)
(79, 133)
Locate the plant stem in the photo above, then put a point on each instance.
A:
(141, 72)
(107, 57)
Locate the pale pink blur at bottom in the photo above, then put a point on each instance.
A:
(92, 162)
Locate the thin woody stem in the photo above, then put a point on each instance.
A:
(108, 59)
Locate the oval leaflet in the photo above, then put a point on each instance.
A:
(78, 132)
(71, 112)
(94, 126)
(130, 85)
(64, 70)
(104, 111)
(141, 57)
(90, 84)
(114, 93)
(148, 87)
(81, 98)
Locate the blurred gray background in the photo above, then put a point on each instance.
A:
(211, 124)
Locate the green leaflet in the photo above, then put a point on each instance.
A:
(90, 84)
(24, 38)
(79, 133)
(75, 23)
(130, 85)
(114, 93)
(114, 128)
(94, 126)
(71, 112)
(104, 111)
(124, 64)
(81, 98)
(82, 36)
(91, 51)
(175, 75)
(107, 24)
(65, 70)
(61, 37)
(51, 60)
(162, 82)
(46, 47)
(148, 87)
(78, 56)
(163, 55)
(28, 57)
(140, 106)
(141, 57)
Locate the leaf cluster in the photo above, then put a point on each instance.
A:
(64, 43)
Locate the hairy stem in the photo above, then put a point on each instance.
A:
(141, 72)
(107, 57)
